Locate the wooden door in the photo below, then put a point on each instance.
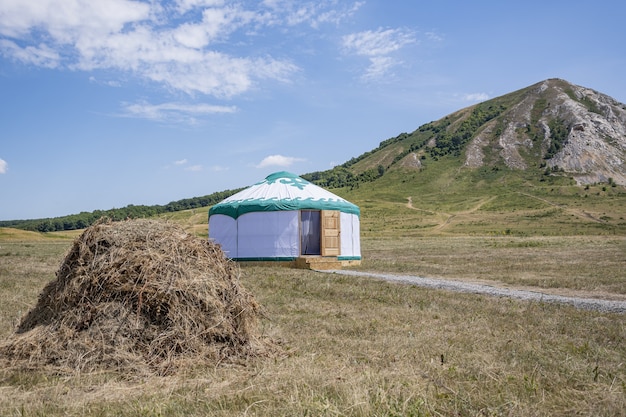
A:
(330, 233)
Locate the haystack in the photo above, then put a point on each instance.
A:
(139, 295)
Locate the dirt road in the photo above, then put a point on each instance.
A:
(582, 303)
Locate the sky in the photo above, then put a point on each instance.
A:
(109, 103)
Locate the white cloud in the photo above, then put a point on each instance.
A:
(379, 42)
(378, 46)
(174, 112)
(313, 13)
(435, 37)
(379, 66)
(278, 160)
(337, 16)
(110, 83)
(41, 55)
(476, 97)
(69, 21)
(158, 57)
(194, 168)
(185, 45)
(186, 5)
(216, 23)
(4, 167)
(183, 164)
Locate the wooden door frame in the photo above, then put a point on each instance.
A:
(330, 235)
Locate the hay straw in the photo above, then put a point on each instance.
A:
(139, 295)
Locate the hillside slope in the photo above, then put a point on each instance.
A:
(553, 126)
(546, 159)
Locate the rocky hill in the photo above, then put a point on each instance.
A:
(577, 130)
(554, 127)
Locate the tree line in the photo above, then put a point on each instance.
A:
(86, 219)
(341, 176)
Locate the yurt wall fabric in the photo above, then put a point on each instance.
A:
(223, 230)
(268, 235)
(266, 221)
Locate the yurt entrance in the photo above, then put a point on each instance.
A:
(319, 232)
(310, 232)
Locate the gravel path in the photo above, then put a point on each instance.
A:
(582, 303)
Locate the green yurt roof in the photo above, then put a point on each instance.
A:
(282, 191)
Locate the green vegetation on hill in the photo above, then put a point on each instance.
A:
(558, 134)
(436, 139)
(452, 142)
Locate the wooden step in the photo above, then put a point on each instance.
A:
(319, 263)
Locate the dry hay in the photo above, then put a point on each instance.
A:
(139, 295)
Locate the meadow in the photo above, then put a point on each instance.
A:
(362, 347)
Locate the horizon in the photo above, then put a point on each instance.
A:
(144, 103)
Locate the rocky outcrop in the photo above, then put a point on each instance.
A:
(411, 161)
(570, 128)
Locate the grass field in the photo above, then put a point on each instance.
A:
(586, 266)
(362, 347)
(436, 202)
(356, 346)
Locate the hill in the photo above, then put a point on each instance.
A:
(546, 159)
(558, 127)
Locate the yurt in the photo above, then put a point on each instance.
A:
(287, 219)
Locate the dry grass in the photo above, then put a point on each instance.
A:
(362, 347)
(25, 267)
(569, 265)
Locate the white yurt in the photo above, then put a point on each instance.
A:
(286, 218)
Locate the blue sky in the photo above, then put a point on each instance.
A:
(117, 102)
